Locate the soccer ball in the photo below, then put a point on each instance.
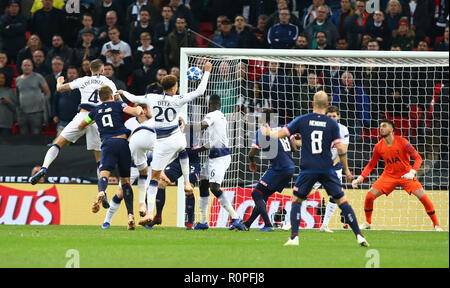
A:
(194, 74)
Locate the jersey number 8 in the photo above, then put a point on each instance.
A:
(316, 141)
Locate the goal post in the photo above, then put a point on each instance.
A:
(409, 88)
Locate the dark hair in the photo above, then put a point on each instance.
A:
(74, 67)
(168, 82)
(214, 100)
(105, 93)
(388, 121)
(332, 109)
(148, 53)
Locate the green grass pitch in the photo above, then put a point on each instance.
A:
(49, 246)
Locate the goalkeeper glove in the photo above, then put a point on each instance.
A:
(410, 175)
(357, 181)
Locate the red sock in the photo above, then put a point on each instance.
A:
(368, 206)
(430, 209)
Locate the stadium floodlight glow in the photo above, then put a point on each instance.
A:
(409, 87)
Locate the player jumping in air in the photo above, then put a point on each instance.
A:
(277, 177)
(396, 152)
(318, 132)
(88, 87)
(169, 139)
(109, 117)
(214, 168)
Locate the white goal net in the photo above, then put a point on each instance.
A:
(410, 88)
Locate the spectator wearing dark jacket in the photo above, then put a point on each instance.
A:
(180, 10)
(321, 24)
(12, 29)
(47, 22)
(103, 7)
(59, 49)
(356, 24)
(5, 69)
(418, 12)
(284, 34)
(379, 31)
(143, 25)
(227, 37)
(39, 63)
(274, 18)
(246, 37)
(144, 75)
(175, 40)
(134, 13)
(338, 17)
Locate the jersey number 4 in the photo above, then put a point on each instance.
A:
(94, 97)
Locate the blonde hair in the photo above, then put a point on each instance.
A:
(389, 4)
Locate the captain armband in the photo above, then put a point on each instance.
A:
(88, 120)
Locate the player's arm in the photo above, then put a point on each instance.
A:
(132, 98)
(369, 167)
(201, 87)
(417, 161)
(86, 122)
(133, 111)
(295, 143)
(342, 152)
(275, 134)
(60, 86)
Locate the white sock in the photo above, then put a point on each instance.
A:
(113, 207)
(51, 155)
(226, 204)
(184, 163)
(329, 210)
(142, 188)
(203, 203)
(151, 197)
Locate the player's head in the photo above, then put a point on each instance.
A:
(96, 66)
(105, 93)
(169, 84)
(214, 103)
(333, 112)
(147, 112)
(320, 101)
(386, 127)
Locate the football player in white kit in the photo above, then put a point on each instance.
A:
(213, 170)
(169, 139)
(141, 142)
(88, 87)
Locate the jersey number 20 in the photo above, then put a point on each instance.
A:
(169, 114)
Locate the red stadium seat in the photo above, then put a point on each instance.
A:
(401, 126)
(49, 130)
(372, 133)
(415, 116)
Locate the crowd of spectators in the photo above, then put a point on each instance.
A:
(140, 41)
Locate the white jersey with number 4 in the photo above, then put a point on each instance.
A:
(88, 86)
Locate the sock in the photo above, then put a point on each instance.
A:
(184, 163)
(128, 197)
(368, 206)
(253, 216)
(98, 169)
(51, 155)
(151, 195)
(190, 208)
(226, 204)
(114, 205)
(295, 219)
(102, 184)
(203, 203)
(261, 206)
(329, 210)
(430, 209)
(141, 188)
(160, 201)
(350, 217)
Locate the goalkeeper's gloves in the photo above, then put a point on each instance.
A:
(410, 175)
(357, 181)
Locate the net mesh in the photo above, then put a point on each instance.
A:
(412, 92)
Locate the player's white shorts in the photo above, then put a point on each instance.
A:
(214, 169)
(71, 132)
(166, 148)
(339, 174)
(141, 142)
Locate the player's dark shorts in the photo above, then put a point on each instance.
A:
(330, 182)
(275, 180)
(115, 151)
(173, 171)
